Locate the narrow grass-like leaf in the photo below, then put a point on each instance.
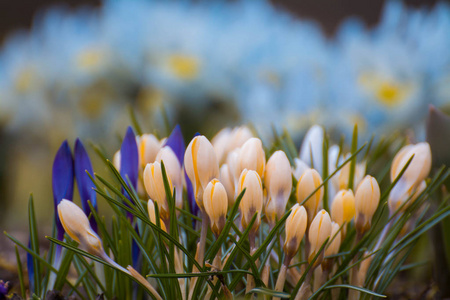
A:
(20, 273)
(269, 292)
(360, 289)
(34, 243)
(353, 162)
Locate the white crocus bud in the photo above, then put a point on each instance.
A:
(154, 185)
(116, 160)
(221, 143)
(335, 240)
(308, 183)
(312, 147)
(152, 214)
(76, 224)
(343, 207)
(174, 172)
(239, 136)
(227, 180)
(252, 156)
(295, 229)
(319, 231)
(216, 205)
(367, 198)
(415, 173)
(233, 165)
(409, 198)
(252, 201)
(344, 174)
(201, 165)
(149, 146)
(278, 182)
(300, 168)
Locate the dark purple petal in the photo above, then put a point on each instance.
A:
(176, 142)
(30, 267)
(62, 180)
(4, 289)
(129, 158)
(85, 185)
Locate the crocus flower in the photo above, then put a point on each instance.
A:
(62, 181)
(84, 182)
(4, 289)
(129, 159)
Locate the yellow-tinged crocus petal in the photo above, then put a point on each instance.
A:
(417, 170)
(278, 182)
(319, 231)
(152, 214)
(335, 240)
(149, 146)
(295, 229)
(367, 198)
(343, 207)
(227, 180)
(174, 171)
(76, 225)
(154, 185)
(201, 165)
(308, 183)
(252, 201)
(252, 156)
(215, 201)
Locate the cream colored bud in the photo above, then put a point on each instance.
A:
(335, 240)
(415, 173)
(233, 165)
(295, 229)
(252, 156)
(149, 146)
(174, 171)
(319, 231)
(154, 185)
(333, 158)
(201, 165)
(278, 182)
(308, 183)
(216, 205)
(76, 225)
(152, 214)
(221, 143)
(228, 182)
(344, 174)
(395, 203)
(300, 168)
(343, 207)
(252, 201)
(116, 160)
(367, 197)
(239, 136)
(312, 146)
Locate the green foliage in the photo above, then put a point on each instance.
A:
(386, 245)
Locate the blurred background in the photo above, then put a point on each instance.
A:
(76, 68)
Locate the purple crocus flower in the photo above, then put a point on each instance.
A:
(85, 185)
(129, 161)
(62, 181)
(176, 142)
(4, 289)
